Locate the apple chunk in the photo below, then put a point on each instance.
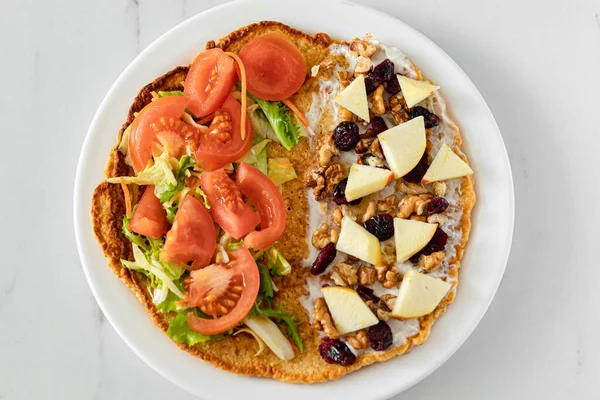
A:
(446, 165)
(415, 91)
(404, 145)
(356, 241)
(364, 180)
(354, 98)
(419, 295)
(347, 309)
(411, 236)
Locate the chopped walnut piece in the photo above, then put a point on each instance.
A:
(383, 315)
(409, 187)
(322, 319)
(388, 300)
(327, 149)
(391, 279)
(410, 204)
(325, 68)
(363, 48)
(342, 211)
(381, 270)
(388, 204)
(421, 208)
(439, 189)
(420, 218)
(363, 66)
(314, 71)
(366, 275)
(326, 180)
(439, 219)
(334, 235)
(359, 340)
(363, 145)
(432, 261)
(375, 148)
(321, 237)
(371, 210)
(399, 109)
(378, 105)
(347, 272)
(343, 113)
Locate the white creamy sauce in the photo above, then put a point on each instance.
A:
(443, 133)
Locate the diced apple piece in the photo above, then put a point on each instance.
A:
(411, 236)
(404, 145)
(446, 165)
(354, 98)
(347, 309)
(364, 180)
(415, 91)
(356, 241)
(419, 295)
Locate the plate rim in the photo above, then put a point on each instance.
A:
(79, 201)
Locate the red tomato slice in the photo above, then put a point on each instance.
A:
(149, 218)
(275, 68)
(192, 237)
(218, 147)
(266, 198)
(228, 290)
(209, 81)
(158, 126)
(227, 206)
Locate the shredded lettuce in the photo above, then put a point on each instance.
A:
(159, 174)
(279, 117)
(266, 284)
(180, 332)
(278, 265)
(170, 303)
(281, 170)
(260, 123)
(182, 172)
(257, 156)
(133, 237)
(288, 320)
(162, 93)
(234, 245)
(164, 272)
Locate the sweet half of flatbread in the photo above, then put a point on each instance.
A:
(331, 66)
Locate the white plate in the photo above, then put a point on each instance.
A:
(485, 258)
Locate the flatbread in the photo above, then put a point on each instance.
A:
(236, 353)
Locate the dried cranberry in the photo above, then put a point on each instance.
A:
(418, 172)
(346, 135)
(339, 194)
(336, 352)
(415, 259)
(371, 84)
(378, 125)
(366, 294)
(380, 336)
(325, 257)
(431, 120)
(392, 86)
(437, 242)
(383, 72)
(437, 205)
(380, 225)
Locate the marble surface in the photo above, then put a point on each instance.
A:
(536, 63)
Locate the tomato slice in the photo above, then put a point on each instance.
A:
(266, 198)
(227, 290)
(158, 126)
(209, 81)
(227, 206)
(149, 218)
(220, 146)
(275, 68)
(192, 237)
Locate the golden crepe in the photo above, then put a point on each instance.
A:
(296, 292)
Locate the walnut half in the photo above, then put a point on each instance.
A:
(322, 319)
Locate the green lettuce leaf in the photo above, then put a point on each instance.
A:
(185, 164)
(162, 93)
(266, 284)
(257, 156)
(279, 117)
(180, 332)
(288, 320)
(281, 170)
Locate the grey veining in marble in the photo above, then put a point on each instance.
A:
(536, 63)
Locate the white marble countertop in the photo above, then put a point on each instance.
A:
(537, 63)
